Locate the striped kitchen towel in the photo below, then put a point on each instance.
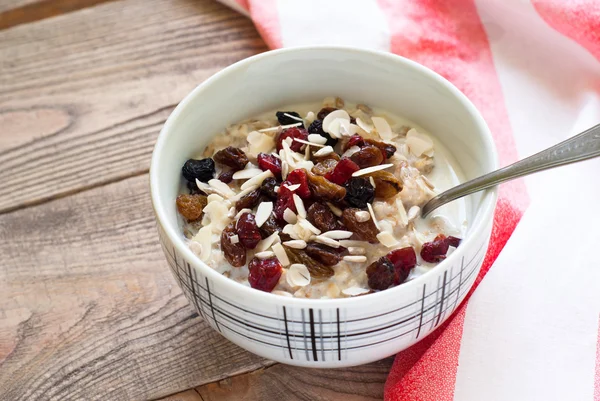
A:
(530, 331)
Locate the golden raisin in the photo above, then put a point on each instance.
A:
(325, 190)
(324, 167)
(387, 185)
(368, 156)
(190, 206)
(316, 269)
(364, 231)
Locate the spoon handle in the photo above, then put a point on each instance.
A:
(578, 148)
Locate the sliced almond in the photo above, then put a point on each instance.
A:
(243, 193)
(204, 237)
(413, 213)
(246, 174)
(264, 254)
(292, 187)
(346, 243)
(221, 187)
(279, 127)
(372, 181)
(355, 258)
(293, 117)
(289, 216)
(418, 143)
(356, 250)
(383, 128)
(324, 151)
(387, 239)
(296, 244)
(309, 143)
(308, 226)
(327, 241)
(339, 127)
(299, 206)
(234, 239)
(362, 216)
(338, 234)
(334, 209)
(298, 275)
(364, 125)
(214, 198)
(257, 180)
(372, 169)
(263, 212)
(373, 216)
(354, 291)
(334, 115)
(403, 218)
(281, 254)
(317, 139)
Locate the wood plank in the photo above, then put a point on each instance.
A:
(89, 308)
(281, 382)
(24, 11)
(85, 94)
(189, 395)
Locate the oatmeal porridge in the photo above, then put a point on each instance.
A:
(321, 201)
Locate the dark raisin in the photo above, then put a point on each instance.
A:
(454, 241)
(268, 187)
(359, 192)
(404, 260)
(226, 176)
(316, 269)
(203, 170)
(324, 167)
(435, 251)
(190, 206)
(386, 149)
(381, 274)
(287, 120)
(231, 157)
(234, 253)
(387, 185)
(365, 231)
(342, 171)
(327, 255)
(322, 217)
(316, 127)
(264, 274)
(249, 201)
(298, 176)
(367, 156)
(294, 132)
(269, 162)
(247, 231)
(324, 190)
(269, 227)
(324, 112)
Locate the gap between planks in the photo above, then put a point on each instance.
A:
(39, 10)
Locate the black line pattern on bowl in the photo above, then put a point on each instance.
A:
(227, 317)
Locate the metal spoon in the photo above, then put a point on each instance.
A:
(578, 148)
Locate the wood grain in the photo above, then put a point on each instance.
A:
(189, 395)
(24, 11)
(86, 93)
(89, 308)
(281, 382)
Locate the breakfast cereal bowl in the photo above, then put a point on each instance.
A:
(313, 326)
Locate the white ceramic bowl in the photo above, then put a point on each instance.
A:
(335, 332)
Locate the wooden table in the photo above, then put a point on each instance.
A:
(88, 307)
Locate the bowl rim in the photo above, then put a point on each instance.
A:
(485, 211)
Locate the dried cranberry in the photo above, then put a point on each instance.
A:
(298, 176)
(248, 231)
(342, 171)
(316, 127)
(324, 112)
(203, 170)
(231, 157)
(285, 200)
(381, 274)
(294, 132)
(435, 251)
(269, 162)
(359, 192)
(268, 187)
(235, 254)
(453, 241)
(226, 176)
(287, 120)
(355, 140)
(403, 260)
(264, 274)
